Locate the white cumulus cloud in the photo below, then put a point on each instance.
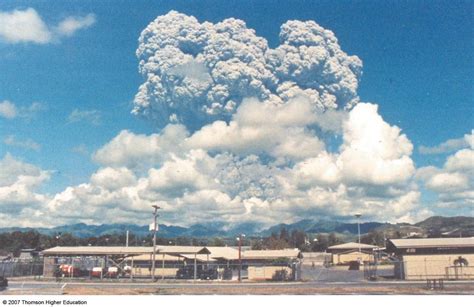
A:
(71, 24)
(18, 182)
(447, 146)
(27, 26)
(373, 151)
(92, 116)
(454, 181)
(11, 140)
(8, 110)
(203, 175)
(256, 128)
(141, 151)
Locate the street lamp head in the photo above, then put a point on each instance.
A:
(357, 215)
(156, 207)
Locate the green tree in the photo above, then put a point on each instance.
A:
(217, 242)
(183, 241)
(298, 239)
(320, 244)
(284, 234)
(333, 239)
(257, 244)
(272, 243)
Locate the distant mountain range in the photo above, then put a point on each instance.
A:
(452, 226)
(435, 226)
(324, 226)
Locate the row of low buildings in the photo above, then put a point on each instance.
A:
(412, 259)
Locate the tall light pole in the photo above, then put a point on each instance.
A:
(358, 215)
(155, 217)
(240, 255)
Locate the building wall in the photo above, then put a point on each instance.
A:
(354, 256)
(167, 272)
(265, 272)
(316, 258)
(421, 267)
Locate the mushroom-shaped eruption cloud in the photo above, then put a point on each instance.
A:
(196, 73)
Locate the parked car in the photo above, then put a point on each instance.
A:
(354, 266)
(227, 274)
(186, 272)
(206, 273)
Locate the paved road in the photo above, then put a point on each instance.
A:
(47, 284)
(384, 287)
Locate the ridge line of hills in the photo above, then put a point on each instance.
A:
(433, 226)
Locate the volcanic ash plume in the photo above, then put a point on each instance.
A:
(196, 72)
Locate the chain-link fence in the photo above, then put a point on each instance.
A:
(408, 268)
(16, 268)
(419, 267)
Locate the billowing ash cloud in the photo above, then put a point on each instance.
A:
(199, 72)
(249, 138)
(244, 135)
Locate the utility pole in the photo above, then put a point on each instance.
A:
(240, 256)
(358, 215)
(155, 218)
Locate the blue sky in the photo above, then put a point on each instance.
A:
(417, 67)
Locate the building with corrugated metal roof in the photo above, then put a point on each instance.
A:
(171, 261)
(349, 252)
(97, 250)
(269, 264)
(433, 258)
(84, 258)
